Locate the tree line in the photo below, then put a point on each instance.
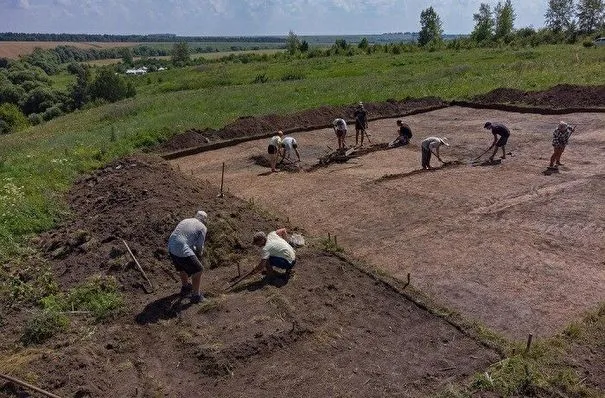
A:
(165, 38)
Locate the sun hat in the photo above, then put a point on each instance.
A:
(562, 125)
(202, 216)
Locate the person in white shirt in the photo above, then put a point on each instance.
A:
(340, 128)
(276, 252)
(290, 145)
(430, 146)
(185, 247)
(274, 149)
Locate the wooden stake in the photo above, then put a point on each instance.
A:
(529, 339)
(408, 278)
(329, 238)
(335, 242)
(27, 385)
(222, 179)
(239, 272)
(138, 265)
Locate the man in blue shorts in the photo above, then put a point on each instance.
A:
(185, 246)
(499, 142)
(276, 252)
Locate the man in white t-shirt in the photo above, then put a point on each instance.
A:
(274, 149)
(185, 246)
(340, 128)
(290, 145)
(276, 252)
(430, 146)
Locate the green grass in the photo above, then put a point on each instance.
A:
(37, 165)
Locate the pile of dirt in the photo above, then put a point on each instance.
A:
(557, 97)
(309, 119)
(330, 330)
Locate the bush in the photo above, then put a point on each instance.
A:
(35, 118)
(588, 43)
(111, 87)
(43, 325)
(11, 119)
(52, 112)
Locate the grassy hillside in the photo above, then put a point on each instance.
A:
(38, 164)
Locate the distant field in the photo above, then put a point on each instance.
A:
(15, 49)
(214, 55)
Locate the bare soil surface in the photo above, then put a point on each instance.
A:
(510, 245)
(330, 330)
(560, 96)
(15, 49)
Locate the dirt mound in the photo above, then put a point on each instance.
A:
(252, 126)
(330, 330)
(560, 96)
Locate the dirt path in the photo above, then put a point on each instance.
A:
(507, 245)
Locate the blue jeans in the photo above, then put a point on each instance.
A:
(281, 263)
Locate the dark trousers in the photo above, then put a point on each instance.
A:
(426, 157)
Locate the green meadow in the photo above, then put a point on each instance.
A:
(39, 164)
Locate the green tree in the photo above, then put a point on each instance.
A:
(292, 43)
(505, 18)
(80, 91)
(11, 119)
(304, 46)
(590, 15)
(111, 86)
(430, 28)
(126, 54)
(363, 44)
(559, 15)
(484, 24)
(180, 54)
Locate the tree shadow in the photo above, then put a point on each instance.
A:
(167, 307)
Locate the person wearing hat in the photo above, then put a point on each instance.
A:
(276, 252)
(405, 134)
(361, 123)
(185, 246)
(340, 128)
(430, 146)
(274, 149)
(501, 134)
(560, 137)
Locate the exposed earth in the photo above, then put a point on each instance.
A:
(505, 245)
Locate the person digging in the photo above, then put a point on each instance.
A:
(276, 252)
(501, 134)
(405, 134)
(185, 247)
(560, 137)
(274, 149)
(430, 146)
(340, 129)
(361, 123)
(289, 146)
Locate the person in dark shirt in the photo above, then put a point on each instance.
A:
(361, 123)
(501, 134)
(405, 134)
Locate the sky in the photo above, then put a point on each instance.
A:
(247, 17)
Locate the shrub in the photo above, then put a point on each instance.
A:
(111, 87)
(52, 112)
(261, 79)
(35, 118)
(587, 43)
(11, 119)
(43, 325)
(99, 296)
(292, 76)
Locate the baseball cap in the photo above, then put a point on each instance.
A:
(444, 140)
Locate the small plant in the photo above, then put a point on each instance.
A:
(43, 325)
(99, 296)
(292, 76)
(260, 79)
(331, 245)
